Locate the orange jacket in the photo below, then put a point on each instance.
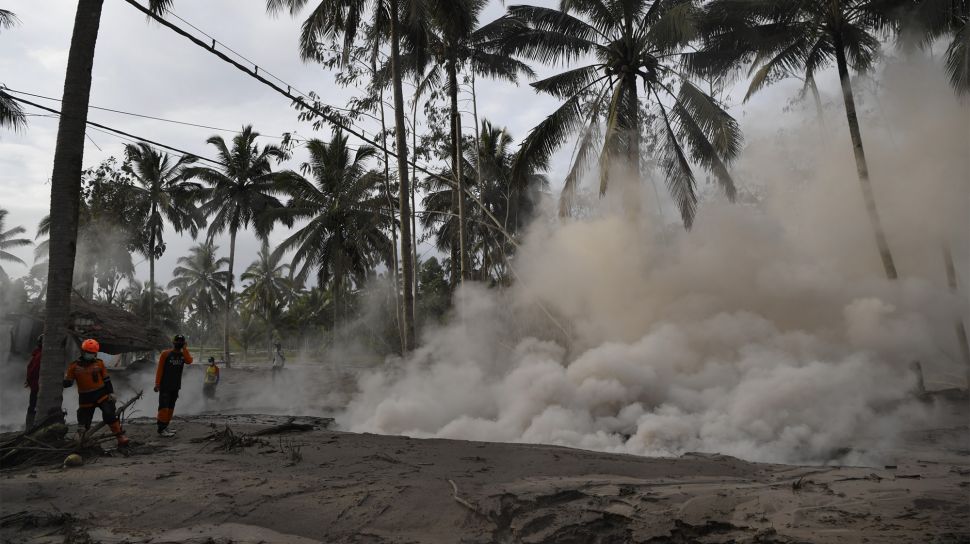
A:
(88, 377)
(170, 373)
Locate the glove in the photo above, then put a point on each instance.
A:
(156, 389)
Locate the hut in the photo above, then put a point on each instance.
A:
(118, 331)
(123, 336)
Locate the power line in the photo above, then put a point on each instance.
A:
(116, 131)
(329, 116)
(136, 114)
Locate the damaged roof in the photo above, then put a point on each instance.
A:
(117, 330)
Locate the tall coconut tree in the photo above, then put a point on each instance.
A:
(166, 196)
(453, 44)
(200, 280)
(340, 20)
(66, 196)
(242, 192)
(347, 222)
(268, 289)
(488, 171)
(800, 38)
(8, 241)
(631, 53)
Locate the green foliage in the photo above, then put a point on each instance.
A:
(9, 241)
(110, 230)
(435, 299)
(162, 195)
(269, 288)
(199, 281)
(243, 191)
(510, 201)
(345, 236)
(631, 45)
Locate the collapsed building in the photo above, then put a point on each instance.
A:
(124, 337)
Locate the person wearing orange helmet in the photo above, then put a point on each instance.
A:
(168, 382)
(94, 390)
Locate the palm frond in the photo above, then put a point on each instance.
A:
(957, 60)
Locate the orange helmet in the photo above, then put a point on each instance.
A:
(90, 345)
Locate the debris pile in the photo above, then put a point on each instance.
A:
(48, 442)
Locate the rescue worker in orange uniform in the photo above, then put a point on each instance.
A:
(168, 382)
(94, 390)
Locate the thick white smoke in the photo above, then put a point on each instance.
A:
(768, 332)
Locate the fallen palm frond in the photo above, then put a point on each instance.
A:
(229, 440)
(47, 442)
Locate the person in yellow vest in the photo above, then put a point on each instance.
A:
(94, 390)
(168, 382)
(211, 379)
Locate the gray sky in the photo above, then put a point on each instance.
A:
(147, 69)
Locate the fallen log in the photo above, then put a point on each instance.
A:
(284, 427)
(88, 438)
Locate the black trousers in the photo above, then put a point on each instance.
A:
(85, 414)
(31, 407)
(166, 407)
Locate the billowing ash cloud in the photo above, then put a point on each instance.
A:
(768, 332)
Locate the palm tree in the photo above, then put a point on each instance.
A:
(345, 237)
(269, 289)
(200, 279)
(935, 19)
(137, 298)
(66, 196)
(9, 242)
(166, 196)
(11, 115)
(802, 37)
(241, 193)
(451, 44)
(488, 169)
(333, 20)
(631, 44)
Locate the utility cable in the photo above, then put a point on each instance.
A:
(328, 116)
(114, 130)
(9, 90)
(337, 121)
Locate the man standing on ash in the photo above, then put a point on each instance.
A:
(168, 381)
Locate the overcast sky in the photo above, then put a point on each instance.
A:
(145, 68)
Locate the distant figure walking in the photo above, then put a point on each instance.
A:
(168, 382)
(33, 381)
(211, 379)
(278, 359)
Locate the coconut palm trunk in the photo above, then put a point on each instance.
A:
(633, 128)
(151, 273)
(400, 134)
(456, 160)
(390, 209)
(65, 199)
(414, 203)
(232, 261)
(860, 160)
(959, 326)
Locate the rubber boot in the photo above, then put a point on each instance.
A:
(119, 433)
